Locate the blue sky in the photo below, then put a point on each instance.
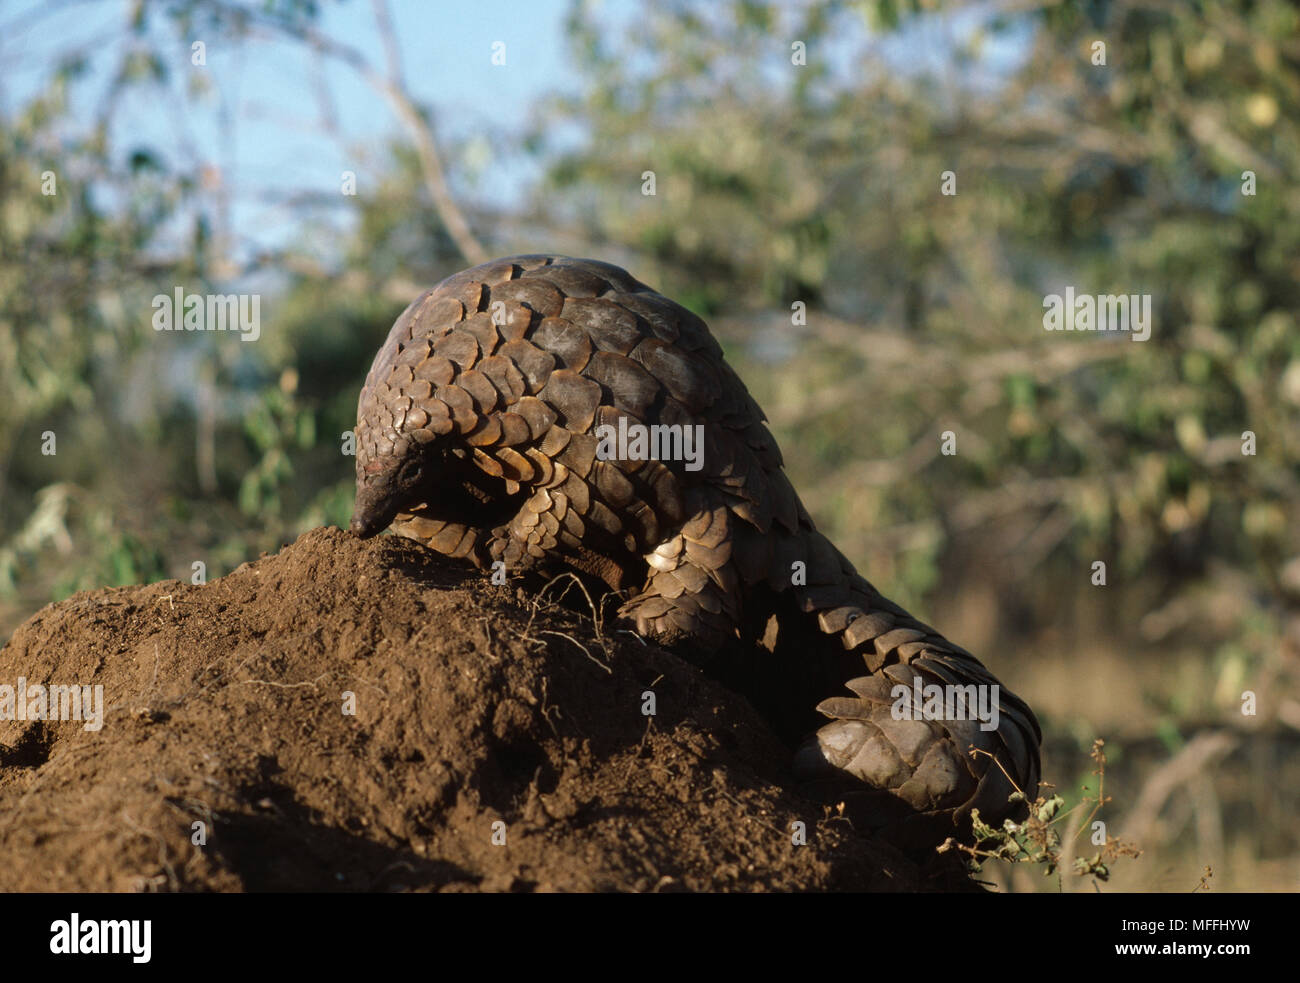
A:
(270, 90)
(277, 145)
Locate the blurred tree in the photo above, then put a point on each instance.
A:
(823, 183)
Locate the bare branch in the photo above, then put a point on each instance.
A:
(421, 132)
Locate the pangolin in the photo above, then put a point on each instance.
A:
(543, 410)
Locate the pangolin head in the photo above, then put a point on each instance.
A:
(393, 473)
(392, 466)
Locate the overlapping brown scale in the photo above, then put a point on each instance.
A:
(665, 491)
(708, 527)
(907, 650)
(454, 540)
(532, 292)
(651, 608)
(572, 280)
(764, 445)
(497, 272)
(540, 501)
(488, 463)
(694, 579)
(866, 628)
(667, 585)
(542, 463)
(668, 555)
(480, 388)
(577, 492)
(601, 517)
(461, 406)
(487, 433)
(659, 314)
(786, 551)
(417, 416)
(551, 525)
(610, 484)
(514, 429)
(398, 335)
(574, 525)
(534, 364)
(890, 640)
(437, 316)
(728, 581)
(722, 456)
(711, 558)
(458, 346)
(400, 407)
(566, 341)
(559, 504)
(513, 320)
(611, 328)
(440, 421)
(693, 335)
(554, 441)
(835, 620)
(618, 279)
(509, 381)
(627, 385)
(533, 261)
(756, 514)
(464, 288)
(609, 416)
(516, 466)
(579, 454)
(786, 508)
(536, 414)
(690, 381)
(418, 526)
(484, 331)
(824, 561)
(573, 396)
(414, 352)
(437, 370)
(673, 413)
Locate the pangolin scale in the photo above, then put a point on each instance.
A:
(479, 433)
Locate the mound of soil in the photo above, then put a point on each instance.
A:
(366, 715)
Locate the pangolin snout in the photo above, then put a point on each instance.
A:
(372, 513)
(364, 526)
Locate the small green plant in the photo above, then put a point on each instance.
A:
(1037, 838)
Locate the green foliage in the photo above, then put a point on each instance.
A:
(1125, 178)
(1037, 838)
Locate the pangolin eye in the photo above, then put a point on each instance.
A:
(411, 471)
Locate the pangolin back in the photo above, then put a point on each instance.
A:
(479, 433)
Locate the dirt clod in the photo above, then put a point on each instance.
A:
(350, 715)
